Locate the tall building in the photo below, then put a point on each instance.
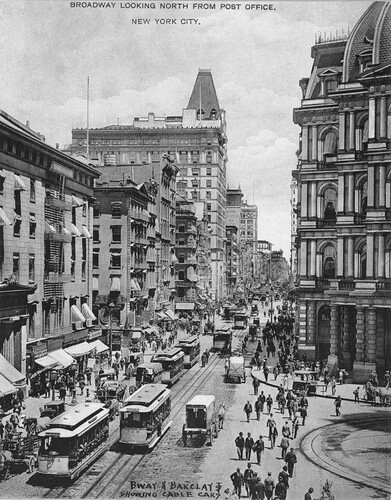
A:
(248, 243)
(344, 206)
(197, 139)
(45, 251)
(293, 256)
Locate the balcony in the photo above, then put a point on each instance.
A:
(64, 237)
(346, 285)
(327, 166)
(60, 203)
(141, 240)
(383, 285)
(322, 283)
(57, 278)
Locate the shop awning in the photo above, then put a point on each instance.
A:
(171, 314)
(10, 372)
(162, 315)
(95, 283)
(49, 228)
(76, 202)
(62, 358)
(184, 306)
(134, 285)
(99, 346)
(80, 349)
(6, 387)
(115, 284)
(76, 315)
(19, 184)
(85, 232)
(4, 220)
(87, 313)
(74, 230)
(46, 361)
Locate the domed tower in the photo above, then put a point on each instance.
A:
(343, 240)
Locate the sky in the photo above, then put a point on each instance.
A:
(257, 57)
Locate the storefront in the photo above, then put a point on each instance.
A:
(81, 353)
(11, 380)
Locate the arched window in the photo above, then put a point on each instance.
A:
(200, 115)
(364, 198)
(330, 204)
(329, 262)
(213, 114)
(363, 264)
(330, 144)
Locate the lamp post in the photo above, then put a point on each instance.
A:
(110, 308)
(53, 380)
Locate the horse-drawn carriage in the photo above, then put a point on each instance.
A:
(201, 419)
(17, 454)
(378, 395)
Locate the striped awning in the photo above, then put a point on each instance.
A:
(76, 315)
(4, 220)
(87, 313)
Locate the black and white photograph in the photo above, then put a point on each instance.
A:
(195, 249)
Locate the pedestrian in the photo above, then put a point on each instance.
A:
(387, 379)
(285, 431)
(82, 384)
(262, 399)
(62, 391)
(269, 403)
(259, 448)
(357, 395)
(266, 373)
(337, 404)
(47, 388)
(1, 431)
(280, 491)
(248, 444)
(221, 415)
(282, 403)
(284, 476)
(89, 376)
(248, 409)
(257, 407)
(303, 412)
(291, 459)
(284, 446)
(308, 495)
(20, 395)
(239, 442)
(273, 436)
(238, 481)
(333, 386)
(275, 372)
(270, 423)
(256, 383)
(203, 360)
(269, 485)
(248, 474)
(295, 427)
(226, 367)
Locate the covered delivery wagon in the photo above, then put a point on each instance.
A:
(201, 419)
(236, 371)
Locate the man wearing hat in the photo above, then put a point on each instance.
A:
(238, 481)
(269, 485)
(259, 448)
(290, 460)
(248, 474)
(387, 379)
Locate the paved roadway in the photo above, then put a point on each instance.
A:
(351, 452)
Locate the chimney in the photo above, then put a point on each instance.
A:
(57, 145)
(27, 124)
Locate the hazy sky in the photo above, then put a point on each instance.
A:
(48, 49)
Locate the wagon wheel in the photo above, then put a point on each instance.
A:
(31, 464)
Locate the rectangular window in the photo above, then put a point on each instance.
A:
(209, 206)
(96, 234)
(115, 259)
(32, 267)
(208, 195)
(181, 275)
(32, 190)
(208, 183)
(96, 210)
(194, 156)
(196, 171)
(16, 264)
(84, 207)
(208, 170)
(116, 209)
(95, 258)
(208, 157)
(116, 234)
(73, 256)
(2, 179)
(33, 225)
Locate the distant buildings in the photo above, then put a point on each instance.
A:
(344, 199)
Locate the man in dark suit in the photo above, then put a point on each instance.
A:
(248, 444)
(238, 481)
(239, 442)
(259, 448)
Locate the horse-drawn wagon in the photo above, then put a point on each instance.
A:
(201, 419)
(18, 453)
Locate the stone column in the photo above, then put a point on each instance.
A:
(350, 193)
(352, 131)
(342, 124)
(370, 255)
(372, 118)
(314, 153)
(304, 200)
(341, 193)
(371, 186)
(332, 358)
(381, 257)
(313, 200)
(356, 265)
(360, 333)
(382, 186)
(340, 257)
(383, 117)
(350, 257)
(388, 194)
(303, 258)
(304, 143)
(318, 265)
(311, 322)
(370, 336)
(346, 338)
(313, 258)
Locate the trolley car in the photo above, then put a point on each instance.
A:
(191, 347)
(222, 339)
(172, 363)
(74, 440)
(145, 416)
(240, 320)
(148, 373)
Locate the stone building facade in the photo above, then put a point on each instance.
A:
(344, 208)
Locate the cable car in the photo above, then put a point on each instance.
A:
(145, 416)
(240, 320)
(149, 373)
(74, 440)
(191, 348)
(222, 339)
(172, 363)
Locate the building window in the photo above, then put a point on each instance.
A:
(116, 209)
(116, 234)
(208, 195)
(16, 264)
(195, 171)
(95, 258)
(329, 260)
(209, 206)
(96, 234)
(96, 210)
(32, 190)
(208, 183)
(83, 258)
(195, 183)
(181, 275)
(33, 225)
(84, 207)
(73, 257)
(208, 170)
(209, 157)
(32, 267)
(115, 259)
(181, 229)
(194, 156)
(181, 259)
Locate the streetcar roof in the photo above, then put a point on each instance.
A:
(152, 367)
(235, 360)
(190, 340)
(201, 400)
(75, 421)
(223, 330)
(169, 355)
(146, 395)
